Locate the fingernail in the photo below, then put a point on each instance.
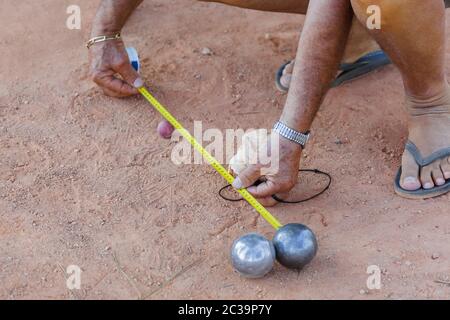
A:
(237, 184)
(428, 185)
(440, 181)
(138, 83)
(251, 189)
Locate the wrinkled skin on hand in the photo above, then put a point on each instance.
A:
(110, 68)
(269, 158)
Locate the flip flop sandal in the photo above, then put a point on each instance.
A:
(278, 76)
(349, 71)
(422, 162)
(364, 65)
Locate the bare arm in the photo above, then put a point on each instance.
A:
(112, 15)
(320, 50)
(110, 58)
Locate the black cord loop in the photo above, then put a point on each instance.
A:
(315, 171)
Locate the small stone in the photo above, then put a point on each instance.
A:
(206, 51)
(362, 292)
(435, 256)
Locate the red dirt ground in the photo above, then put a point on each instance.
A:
(85, 180)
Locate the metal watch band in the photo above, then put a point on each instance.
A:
(290, 134)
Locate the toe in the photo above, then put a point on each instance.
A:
(438, 175)
(410, 173)
(286, 80)
(445, 167)
(286, 77)
(289, 68)
(426, 177)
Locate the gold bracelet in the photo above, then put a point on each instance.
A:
(98, 39)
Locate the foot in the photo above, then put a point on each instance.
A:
(286, 77)
(429, 132)
(348, 70)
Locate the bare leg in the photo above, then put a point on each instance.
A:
(315, 66)
(359, 42)
(317, 62)
(288, 6)
(413, 35)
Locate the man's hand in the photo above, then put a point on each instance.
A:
(279, 182)
(109, 59)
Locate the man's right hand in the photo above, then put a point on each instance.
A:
(111, 69)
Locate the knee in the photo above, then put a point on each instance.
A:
(390, 8)
(235, 3)
(232, 2)
(386, 7)
(396, 12)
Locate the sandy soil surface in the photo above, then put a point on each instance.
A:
(85, 180)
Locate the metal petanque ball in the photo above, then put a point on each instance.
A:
(295, 245)
(253, 256)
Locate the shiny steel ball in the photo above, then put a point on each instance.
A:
(253, 256)
(295, 245)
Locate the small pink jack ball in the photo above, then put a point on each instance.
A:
(165, 129)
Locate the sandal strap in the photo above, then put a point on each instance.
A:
(424, 161)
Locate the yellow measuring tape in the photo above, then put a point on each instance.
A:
(211, 160)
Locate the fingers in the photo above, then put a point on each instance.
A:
(113, 86)
(129, 74)
(268, 201)
(247, 177)
(265, 189)
(112, 71)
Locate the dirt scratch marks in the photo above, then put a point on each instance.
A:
(226, 226)
(173, 278)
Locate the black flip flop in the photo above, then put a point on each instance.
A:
(422, 162)
(349, 71)
(278, 78)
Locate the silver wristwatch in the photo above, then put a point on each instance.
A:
(290, 134)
